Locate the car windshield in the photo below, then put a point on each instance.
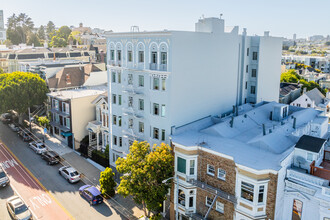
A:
(20, 209)
(75, 173)
(2, 174)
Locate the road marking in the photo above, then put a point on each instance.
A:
(42, 199)
(42, 186)
(8, 163)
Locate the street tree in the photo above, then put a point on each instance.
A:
(21, 90)
(144, 169)
(107, 182)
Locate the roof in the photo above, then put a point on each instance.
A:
(310, 143)
(316, 96)
(287, 88)
(245, 142)
(77, 93)
(97, 78)
(93, 190)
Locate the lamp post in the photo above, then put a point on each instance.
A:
(176, 193)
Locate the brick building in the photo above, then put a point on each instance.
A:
(235, 167)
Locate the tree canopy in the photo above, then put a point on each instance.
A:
(60, 39)
(19, 28)
(144, 169)
(20, 90)
(41, 33)
(33, 39)
(107, 182)
(50, 29)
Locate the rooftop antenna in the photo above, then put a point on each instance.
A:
(221, 15)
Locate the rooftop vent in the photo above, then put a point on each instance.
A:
(280, 112)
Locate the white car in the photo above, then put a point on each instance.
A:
(38, 147)
(13, 127)
(69, 173)
(17, 209)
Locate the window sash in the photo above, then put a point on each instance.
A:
(220, 207)
(141, 127)
(129, 56)
(141, 81)
(156, 83)
(181, 165)
(208, 201)
(141, 104)
(221, 174)
(247, 191)
(163, 58)
(141, 56)
(210, 169)
(192, 167)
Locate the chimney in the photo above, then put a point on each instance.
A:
(266, 33)
(294, 122)
(263, 129)
(232, 122)
(305, 90)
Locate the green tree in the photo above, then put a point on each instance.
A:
(74, 38)
(63, 32)
(19, 28)
(60, 39)
(41, 33)
(50, 29)
(21, 90)
(43, 121)
(58, 42)
(290, 76)
(33, 39)
(107, 182)
(144, 169)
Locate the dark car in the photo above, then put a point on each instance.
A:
(91, 194)
(4, 180)
(51, 157)
(25, 135)
(6, 118)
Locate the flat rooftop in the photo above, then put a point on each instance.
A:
(244, 141)
(77, 93)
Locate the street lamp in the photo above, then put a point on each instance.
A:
(176, 192)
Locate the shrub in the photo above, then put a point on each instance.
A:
(107, 182)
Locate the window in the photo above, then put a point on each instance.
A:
(247, 51)
(119, 55)
(191, 200)
(113, 77)
(163, 110)
(255, 56)
(113, 157)
(141, 104)
(163, 84)
(113, 98)
(68, 122)
(107, 121)
(130, 79)
(130, 123)
(156, 83)
(192, 167)
(153, 57)
(247, 68)
(130, 101)
(261, 194)
(141, 81)
(221, 174)
(253, 90)
(119, 121)
(163, 56)
(141, 56)
(220, 207)
(114, 119)
(297, 209)
(181, 166)
(208, 201)
(119, 77)
(141, 127)
(210, 170)
(156, 109)
(163, 134)
(120, 141)
(129, 56)
(156, 133)
(254, 72)
(246, 85)
(308, 105)
(119, 99)
(114, 139)
(247, 191)
(112, 55)
(309, 156)
(181, 197)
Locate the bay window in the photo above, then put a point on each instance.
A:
(247, 191)
(181, 165)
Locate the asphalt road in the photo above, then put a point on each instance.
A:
(62, 193)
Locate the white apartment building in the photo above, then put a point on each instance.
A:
(161, 79)
(2, 27)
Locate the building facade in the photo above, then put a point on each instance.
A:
(2, 28)
(158, 80)
(237, 167)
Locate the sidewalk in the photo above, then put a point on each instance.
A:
(90, 173)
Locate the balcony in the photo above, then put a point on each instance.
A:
(58, 111)
(163, 67)
(153, 66)
(323, 170)
(134, 90)
(132, 112)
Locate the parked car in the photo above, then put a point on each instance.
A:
(17, 209)
(38, 147)
(4, 180)
(13, 127)
(25, 135)
(69, 173)
(6, 118)
(91, 194)
(51, 157)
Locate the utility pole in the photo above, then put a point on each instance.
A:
(29, 119)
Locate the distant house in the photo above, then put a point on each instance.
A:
(289, 92)
(312, 99)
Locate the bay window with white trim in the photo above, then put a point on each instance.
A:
(186, 165)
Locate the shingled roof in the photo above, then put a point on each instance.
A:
(310, 143)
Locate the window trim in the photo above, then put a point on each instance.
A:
(207, 170)
(220, 177)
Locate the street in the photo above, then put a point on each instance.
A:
(48, 195)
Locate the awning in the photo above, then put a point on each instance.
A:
(66, 134)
